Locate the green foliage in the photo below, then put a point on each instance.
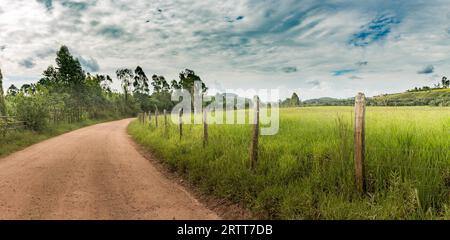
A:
(187, 80)
(306, 171)
(445, 82)
(435, 97)
(140, 81)
(420, 97)
(12, 90)
(126, 76)
(294, 101)
(327, 101)
(17, 140)
(160, 84)
(66, 94)
(2, 97)
(33, 109)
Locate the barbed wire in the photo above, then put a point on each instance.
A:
(375, 165)
(403, 150)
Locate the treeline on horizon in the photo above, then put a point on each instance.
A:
(439, 95)
(66, 93)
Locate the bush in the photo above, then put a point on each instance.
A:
(32, 109)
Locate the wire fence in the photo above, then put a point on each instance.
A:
(400, 157)
(9, 123)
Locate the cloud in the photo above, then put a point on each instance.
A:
(289, 69)
(27, 63)
(77, 6)
(343, 72)
(315, 83)
(354, 77)
(112, 32)
(2, 48)
(238, 18)
(44, 53)
(265, 40)
(376, 30)
(426, 70)
(362, 63)
(47, 3)
(89, 64)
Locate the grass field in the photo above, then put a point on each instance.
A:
(306, 171)
(20, 139)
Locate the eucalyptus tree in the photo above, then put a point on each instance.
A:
(160, 84)
(125, 75)
(140, 83)
(12, 90)
(187, 81)
(445, 82)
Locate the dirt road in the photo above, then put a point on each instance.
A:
(91, 173)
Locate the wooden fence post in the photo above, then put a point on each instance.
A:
(156, 116)
(255, 134)
(181, 123)
(205, 128)
(360, 114)
(165, 121)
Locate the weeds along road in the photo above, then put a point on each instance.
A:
(91, 173)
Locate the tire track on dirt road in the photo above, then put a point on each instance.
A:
(91, 173)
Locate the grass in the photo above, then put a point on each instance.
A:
(20, 139)
(435, 97)
(306, 171)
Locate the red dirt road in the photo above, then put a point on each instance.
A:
(91, 173)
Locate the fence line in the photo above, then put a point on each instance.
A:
(361, 149)
(9, 123)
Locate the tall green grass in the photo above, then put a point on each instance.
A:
(306, 171)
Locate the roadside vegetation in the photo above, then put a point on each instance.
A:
(306, 171)
(19, 139)
(67, 97)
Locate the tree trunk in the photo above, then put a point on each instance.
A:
(3, 111)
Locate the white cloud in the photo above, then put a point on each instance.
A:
(260, 50)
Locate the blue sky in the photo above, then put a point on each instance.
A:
(316, 48)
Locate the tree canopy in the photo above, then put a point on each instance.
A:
(2, 97)
(66, 92)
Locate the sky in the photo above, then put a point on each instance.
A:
(319, 48)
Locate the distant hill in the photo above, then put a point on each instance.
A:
(432, 97)
(327, 101)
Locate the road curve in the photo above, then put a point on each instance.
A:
(91, 173)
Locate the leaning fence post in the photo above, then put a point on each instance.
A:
(205, 128)
(181, 123)
(360, 114)
(255, 134)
